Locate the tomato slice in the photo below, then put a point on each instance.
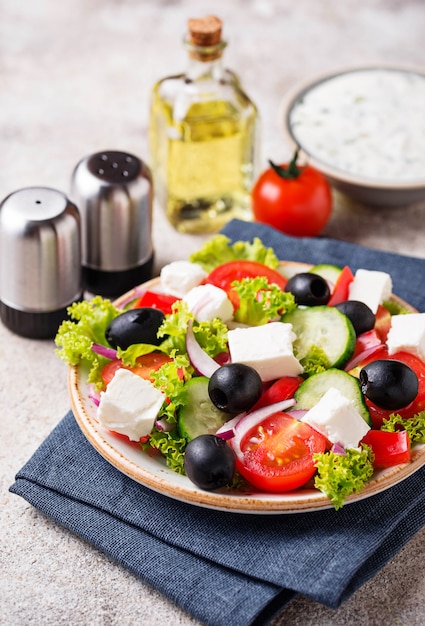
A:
(389, 448)
(161, 301)
(145, 365)
(224, 275)
(277, 454)
(341, 288)
(378, 414)
(282, 389)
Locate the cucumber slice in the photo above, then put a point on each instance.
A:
(322, 327)
(311, 390)
(199, 416)
(328, 272)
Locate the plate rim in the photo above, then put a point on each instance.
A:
(254, 502)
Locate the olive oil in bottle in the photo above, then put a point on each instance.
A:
(203, 138)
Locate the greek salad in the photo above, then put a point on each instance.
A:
(245, 373)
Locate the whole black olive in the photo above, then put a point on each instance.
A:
(360, 315)
(308, 289)
(135, 326)
(235, 387)
(388, 383)
(209, 462)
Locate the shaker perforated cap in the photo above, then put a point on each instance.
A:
(40, 260)
(114, 194)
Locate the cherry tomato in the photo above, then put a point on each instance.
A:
(378, 414)
(277, 454)
(389, 448)
(155, 300)
(295, 200)
(145, 365)
(282, 389)
(224, 275)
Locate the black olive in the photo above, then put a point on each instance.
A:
(359, 314)
(308, 289)
(388, 383)
(135, 326)
(235, 387)
(209, 462)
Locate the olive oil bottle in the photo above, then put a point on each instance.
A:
(203, 137)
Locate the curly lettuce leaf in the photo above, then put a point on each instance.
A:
(171, 446)
(211, 335)
(260, 302)
(339, 475)
(173, 329)
(395, 307)
(315, 361)
(415, 426)
(170, 378)
(219, 250)
(75, 337)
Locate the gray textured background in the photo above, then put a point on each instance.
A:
(75, 78)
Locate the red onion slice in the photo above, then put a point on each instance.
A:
(352, 363)
(227, 431)
(201, 361)
(108, 353)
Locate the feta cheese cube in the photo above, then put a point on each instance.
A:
(129, 405)
(268, 349)
(407, 333)
(337, 419)
(371, 287)
(207, 302)
(179, 277)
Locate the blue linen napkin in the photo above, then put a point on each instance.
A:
(230, 569)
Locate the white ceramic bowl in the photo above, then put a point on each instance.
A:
(364, 129)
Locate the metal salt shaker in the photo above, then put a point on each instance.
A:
(113, 192)
(40, 260)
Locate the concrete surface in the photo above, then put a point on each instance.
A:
(75, 78)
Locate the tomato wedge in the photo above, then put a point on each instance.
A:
(277, 454)
(389, 448)
(224, 275)
(145, 365)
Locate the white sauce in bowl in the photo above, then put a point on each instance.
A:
(368, 123)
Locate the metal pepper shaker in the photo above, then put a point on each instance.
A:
(113, 192)
(40, 260)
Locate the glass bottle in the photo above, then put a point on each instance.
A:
(203, 137)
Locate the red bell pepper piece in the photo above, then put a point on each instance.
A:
(389, 448)
(341, 287)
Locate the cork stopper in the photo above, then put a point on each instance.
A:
(205, 31)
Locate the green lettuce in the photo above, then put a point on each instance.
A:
(88, 322)
(171, 446)
(260, 302)
(339, 475)
(315, 361)
(211, 335)
(171, 378)
(219, 250)
(415, 426)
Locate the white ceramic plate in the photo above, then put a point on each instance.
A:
(154, 474)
